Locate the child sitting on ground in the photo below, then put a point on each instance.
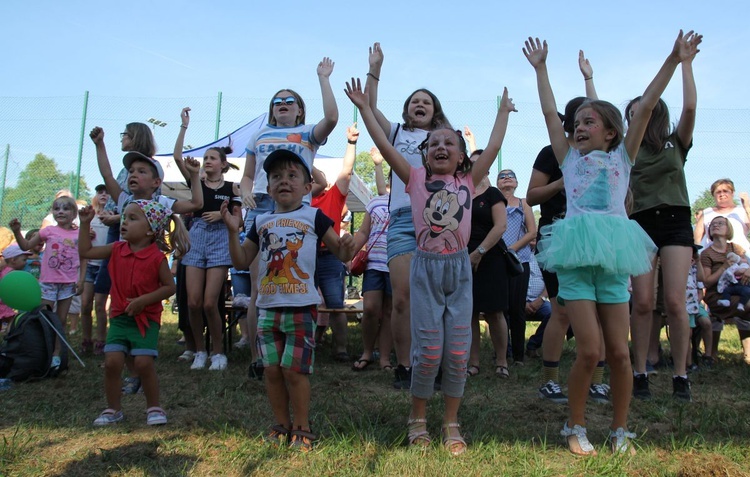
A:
(286, 242)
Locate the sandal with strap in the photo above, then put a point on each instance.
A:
(155, 416)
(577, 441)
(456, 445)
(302, 440)
(472, 371)
(502, 372)
(620, 441)
(418, 435)
(277, 436)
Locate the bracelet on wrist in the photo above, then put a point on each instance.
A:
(589, 78)
(373, 76)
(183, 126)
(351, 142)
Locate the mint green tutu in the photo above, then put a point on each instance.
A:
(616, 244)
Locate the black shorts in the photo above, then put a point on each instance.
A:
(550, 283)
(667, 225)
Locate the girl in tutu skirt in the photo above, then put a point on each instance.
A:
(596, 248)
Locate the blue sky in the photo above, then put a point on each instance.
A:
(463, 51)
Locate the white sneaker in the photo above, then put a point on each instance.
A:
(186, 355)
(722, 302)
(740, 307)
(242, 343)
(218, 362)
(199, 361)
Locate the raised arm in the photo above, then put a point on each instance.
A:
(180, 142)
(373, 80)
(247, 181)
(685, 47)
(377, 161)
(686, 125)
(536, 52)
(242, 254)
(484, 161)
(330, 110)
(85, 249)
(196, 189)
(347, 166)
(588, 75)
(15, 227)
(114, 189)
(699, 230)
(399, 165)
(471, 141)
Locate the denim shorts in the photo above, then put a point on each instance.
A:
(91, 273)
(263, 203)
(209, 245)
(667, 225)
(329, 277)
(241, 283)
(402, 239)
(57, 291)
(124, 336)
(375, 280)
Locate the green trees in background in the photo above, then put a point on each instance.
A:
(30, 200)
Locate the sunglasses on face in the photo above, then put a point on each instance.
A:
(290, 100)
(506, 175)
(124, 135)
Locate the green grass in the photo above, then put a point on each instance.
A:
(216, 420)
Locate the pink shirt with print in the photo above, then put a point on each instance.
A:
(441, 210)
(60, 262)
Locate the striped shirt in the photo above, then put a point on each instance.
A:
(378, 210)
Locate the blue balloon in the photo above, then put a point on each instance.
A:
(20, 290)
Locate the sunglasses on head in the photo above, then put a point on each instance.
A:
(506, 175)
(289, 100)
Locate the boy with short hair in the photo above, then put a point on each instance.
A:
(287, 240)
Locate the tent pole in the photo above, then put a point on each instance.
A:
(77, 184)
(218, 117)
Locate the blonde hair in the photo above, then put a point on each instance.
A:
(177, 239)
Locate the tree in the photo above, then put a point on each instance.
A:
(365, 169)
(704, 200)
(31, 198)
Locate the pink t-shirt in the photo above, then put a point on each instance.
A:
(5, 310)
(60, 262)
(441, 210)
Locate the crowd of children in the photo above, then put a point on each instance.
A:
(590, 181)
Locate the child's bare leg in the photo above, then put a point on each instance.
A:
(214, 286)
(299, 391)
(113, 363)
(278, 395)
(583, 318)
(614, 323)
(100, 308)
(144, 367)
(385, 338)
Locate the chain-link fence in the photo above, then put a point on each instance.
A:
(58, 128)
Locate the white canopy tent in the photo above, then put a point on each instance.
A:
(174, 184)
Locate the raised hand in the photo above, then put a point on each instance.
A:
(192, 165)
(506, 103)
(468, 135)
(97, 135)
(185, 116)
(232, 220)
(352, 133)
(377, 158)
(535, 51)
(745, 199)
(686, 45)
(354, 92)
(583, 63)
(86, 214)
(376, 56)
(15, 225)
(325, 67)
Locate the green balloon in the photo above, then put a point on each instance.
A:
(20, 290)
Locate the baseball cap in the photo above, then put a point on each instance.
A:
(100, 187)
(14, 250)
(133, 156)
(285, 155)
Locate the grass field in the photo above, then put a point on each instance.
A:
(216, 420)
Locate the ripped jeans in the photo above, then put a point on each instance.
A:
(441, 307)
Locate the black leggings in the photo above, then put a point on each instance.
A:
(517, 289)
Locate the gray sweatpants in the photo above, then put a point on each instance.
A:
(441, 305)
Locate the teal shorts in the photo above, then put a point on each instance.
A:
(286, 337)
(124, 336)
(594, 284)
(693, 317)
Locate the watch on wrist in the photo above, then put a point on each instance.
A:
(481, 250)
